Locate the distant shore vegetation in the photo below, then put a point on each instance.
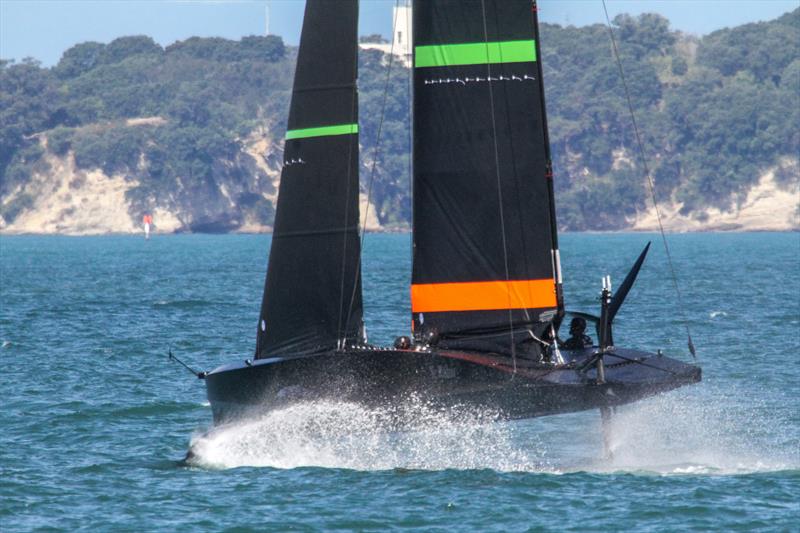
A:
(715, 112)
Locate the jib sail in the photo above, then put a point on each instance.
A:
(485, 268)
(312, 296)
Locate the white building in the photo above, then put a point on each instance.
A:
(402, 46)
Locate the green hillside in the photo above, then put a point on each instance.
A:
(715, 112)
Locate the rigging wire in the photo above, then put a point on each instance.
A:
(499, 184)
(649, 181)
(375, 158)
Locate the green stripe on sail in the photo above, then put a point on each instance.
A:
(322, 131)
(447, 55)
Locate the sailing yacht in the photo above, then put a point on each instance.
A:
(486, 290)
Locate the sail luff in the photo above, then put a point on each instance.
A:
(549, 171)
(315, 250)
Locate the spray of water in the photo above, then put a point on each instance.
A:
(669, 434)
(413, 435)
(706, 434)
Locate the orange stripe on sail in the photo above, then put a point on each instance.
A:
(483, 295)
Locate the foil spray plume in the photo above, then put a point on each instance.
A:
(413, 435)
(706, 433)
(669, 434)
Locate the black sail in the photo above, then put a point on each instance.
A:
(312, 296)
(486, 267)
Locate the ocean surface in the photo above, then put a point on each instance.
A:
(95, 418)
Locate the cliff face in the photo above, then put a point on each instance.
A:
(61, 198)
(67, 200)
(70, 201)
(772, 203)
(768, 206)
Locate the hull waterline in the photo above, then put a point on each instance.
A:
(385, 378)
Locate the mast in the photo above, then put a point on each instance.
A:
(312, 295)
(549, 173)
(485, 270)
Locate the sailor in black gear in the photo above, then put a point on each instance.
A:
(578, 339)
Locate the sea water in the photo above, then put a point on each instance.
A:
(95, 418)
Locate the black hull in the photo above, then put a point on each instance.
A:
(382, 378)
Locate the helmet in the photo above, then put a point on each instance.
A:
(578, 324)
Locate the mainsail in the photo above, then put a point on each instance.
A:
(312, 296)
(485, 267)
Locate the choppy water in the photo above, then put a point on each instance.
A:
(94, 418)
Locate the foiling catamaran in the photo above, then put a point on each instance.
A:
(486, 292)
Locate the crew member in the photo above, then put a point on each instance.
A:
(578, 339)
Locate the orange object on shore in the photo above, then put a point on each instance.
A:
(147, 219)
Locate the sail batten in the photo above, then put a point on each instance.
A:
(315, 252)
(484, 238)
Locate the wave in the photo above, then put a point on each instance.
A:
(186, 304)
(70, 412)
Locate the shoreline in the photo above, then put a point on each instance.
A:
(398, 232)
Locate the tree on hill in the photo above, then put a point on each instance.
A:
(711, 121)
